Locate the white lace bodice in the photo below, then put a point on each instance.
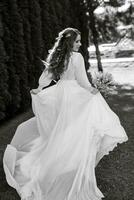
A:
(75, 71)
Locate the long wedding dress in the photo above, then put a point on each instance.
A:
(53, 155)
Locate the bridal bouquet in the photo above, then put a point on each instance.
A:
(104, 82)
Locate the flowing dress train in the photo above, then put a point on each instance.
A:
(53, 155)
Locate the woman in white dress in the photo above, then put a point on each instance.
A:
(53, 155)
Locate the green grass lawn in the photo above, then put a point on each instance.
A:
(115, 172)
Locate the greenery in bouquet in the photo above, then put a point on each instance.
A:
(104, 82)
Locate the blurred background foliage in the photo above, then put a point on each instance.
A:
(28, 30)
(111, 15)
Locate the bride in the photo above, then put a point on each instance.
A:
(53, 155)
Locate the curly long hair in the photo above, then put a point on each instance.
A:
(58, 57)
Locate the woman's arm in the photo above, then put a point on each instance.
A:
(81, 75)
(44, 80)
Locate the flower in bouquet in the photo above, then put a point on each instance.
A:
(104, 82)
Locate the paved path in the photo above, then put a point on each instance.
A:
(113, 60)
(122, 70)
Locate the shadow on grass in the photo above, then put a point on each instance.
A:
(115, 172)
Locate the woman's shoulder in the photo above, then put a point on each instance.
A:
(77, 56)
(76, 53)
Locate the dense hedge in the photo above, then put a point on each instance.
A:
(27, 32)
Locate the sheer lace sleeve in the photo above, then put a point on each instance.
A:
(80, 72)
(44, 80)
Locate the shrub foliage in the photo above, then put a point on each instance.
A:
(27, 31)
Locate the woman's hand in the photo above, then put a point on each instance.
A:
(35, 91)
(94, 90)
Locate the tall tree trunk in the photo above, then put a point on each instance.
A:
(95, 34)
